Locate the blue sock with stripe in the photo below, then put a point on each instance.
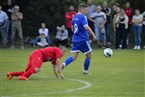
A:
(68, 61)
(87, 64)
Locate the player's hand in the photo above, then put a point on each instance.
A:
(94, 38)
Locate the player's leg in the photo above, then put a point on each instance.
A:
(87, 62)
(36, 62)
(75, 52)
(11, 74)
(70, 59)
(86, 49)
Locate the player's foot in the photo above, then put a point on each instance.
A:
(85, 72)
(22, 78)
(9, 76)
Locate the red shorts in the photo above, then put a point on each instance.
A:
(35, 60)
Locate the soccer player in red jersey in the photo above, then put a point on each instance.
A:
(37, 57)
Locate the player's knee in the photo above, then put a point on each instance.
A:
(74, 57)
(89, 55)
(37, 70)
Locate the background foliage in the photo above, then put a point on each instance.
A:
(52, 12)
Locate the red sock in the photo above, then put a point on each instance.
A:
(28, 73)
(17, 73)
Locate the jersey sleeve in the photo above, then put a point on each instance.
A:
(84, 21)
(54, 62)
(58, 55)
(93, 15)
(6, 16)
(104, 15)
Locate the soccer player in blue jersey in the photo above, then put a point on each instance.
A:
(80, 40)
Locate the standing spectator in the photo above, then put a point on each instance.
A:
(61, 36)
(3, 21)
(99, 19)
(42, 31)
(91, 10)
(68, 16)
(144, 25)
(8, 8)
(129, 13)
(107, 11)
(121, 23)
(114, 7)
(17, 27)
(137, 28)
(114, 17)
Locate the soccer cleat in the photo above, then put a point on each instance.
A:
(23, 78)
(9, 76)
(85, 72)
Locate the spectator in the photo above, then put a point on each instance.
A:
(45, 31)
(128, 12)
(91, 10)
(114, 17)
(61, 36)
(121, 23)
(16, 26)
(99, 19)
(107, 11)
(8, 9)
(137, 28)
(43, 41)
(68, 16)
(144, 25)
(114, 7)
(3, 21)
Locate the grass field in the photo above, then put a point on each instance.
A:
(122, 75)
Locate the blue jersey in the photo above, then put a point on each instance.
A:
(79, 22)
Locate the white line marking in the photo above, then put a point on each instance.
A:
(87, 85)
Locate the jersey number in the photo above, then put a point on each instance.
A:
(75, 28)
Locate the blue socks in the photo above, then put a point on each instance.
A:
(68, 61)
(86, 64)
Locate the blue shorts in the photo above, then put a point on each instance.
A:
(83, 46)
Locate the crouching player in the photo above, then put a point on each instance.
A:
(36, 58)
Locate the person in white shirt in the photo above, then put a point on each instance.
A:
(144, 25)
(42, 31)
(3, 21)
(61, 37)
(137, 28)
(99, 18)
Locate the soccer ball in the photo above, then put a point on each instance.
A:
(108, 52)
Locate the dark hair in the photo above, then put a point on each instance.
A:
(82, 6)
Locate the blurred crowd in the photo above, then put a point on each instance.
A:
(101, 19)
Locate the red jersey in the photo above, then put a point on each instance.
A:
(129, 12)
(51, 54)
(68, 16)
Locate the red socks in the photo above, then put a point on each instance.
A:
(28, 73)
(17, 73)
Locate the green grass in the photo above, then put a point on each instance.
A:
(122, 75)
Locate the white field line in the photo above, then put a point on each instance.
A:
(87, 85)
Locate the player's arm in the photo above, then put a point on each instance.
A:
(85, 24)
(58, 69)
(90, 32)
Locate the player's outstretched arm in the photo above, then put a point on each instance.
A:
(58, 69)
(90, 32)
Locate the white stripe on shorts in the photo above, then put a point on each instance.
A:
(89, 46)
